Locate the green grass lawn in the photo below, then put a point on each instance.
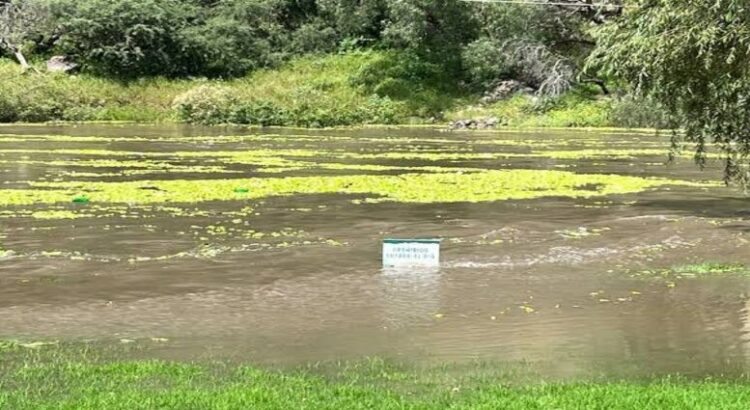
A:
(82, 378)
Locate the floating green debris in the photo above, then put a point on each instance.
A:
(241, 190)
(698, 270)
(709, 269)
(82, 199)
(485, 186)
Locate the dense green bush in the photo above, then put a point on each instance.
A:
(486, 62)
(314, 37)
(404, 66)
(356, 21)
(235, 37)
(435, 30)
(635, 112)
(206, 104)
(135, 38)
(436, 46)
(128, 38)
(259, 112)
(223, 38)
(425, 87)
(8, 108)
(212, 105)
(35, 97)
(309, 92)
(40, 99)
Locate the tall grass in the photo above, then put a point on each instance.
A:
(33, 97)
(310, 91)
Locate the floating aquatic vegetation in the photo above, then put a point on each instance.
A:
(135, 197)
(270, 241)
(286, 157)
(415, 188)
(210, 139)
(698, 270)
(604, 153)
(547, 142)
(140, 165)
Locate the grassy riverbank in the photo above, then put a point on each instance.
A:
(344, 89)
(54, 377)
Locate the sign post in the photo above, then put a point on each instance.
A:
(411, 252)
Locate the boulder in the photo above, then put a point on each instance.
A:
(491, 122)
(61, 64)
(505, 90)
(476, 123)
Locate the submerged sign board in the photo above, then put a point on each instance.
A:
(411, 252)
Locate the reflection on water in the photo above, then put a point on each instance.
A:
(409, 295)
(298, 278)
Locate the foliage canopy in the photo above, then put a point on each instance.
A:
(693, 58)
(471, 44)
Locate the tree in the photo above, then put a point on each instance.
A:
(128, 38)
(595, 11)
(436, 30)
(533, 44)
(355, 20)
(692, 57)
(237, 36)
(18, 20)
(543, 45)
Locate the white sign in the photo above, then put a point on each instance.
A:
(411, 252)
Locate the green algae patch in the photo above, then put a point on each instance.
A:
(132, 163)
(135, 167)
(604, 153)
(485, 186)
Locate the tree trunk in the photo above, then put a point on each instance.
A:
(21, 59)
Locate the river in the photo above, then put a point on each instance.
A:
(580, 251)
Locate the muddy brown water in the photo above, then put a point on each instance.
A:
(546, 280)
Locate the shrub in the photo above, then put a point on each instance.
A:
(37, 97)
(8, 107)
(423, 87)
(208, 104)
(263, 113)
(407, 68)
(314, 38)
(633, 112)
(217, 105)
